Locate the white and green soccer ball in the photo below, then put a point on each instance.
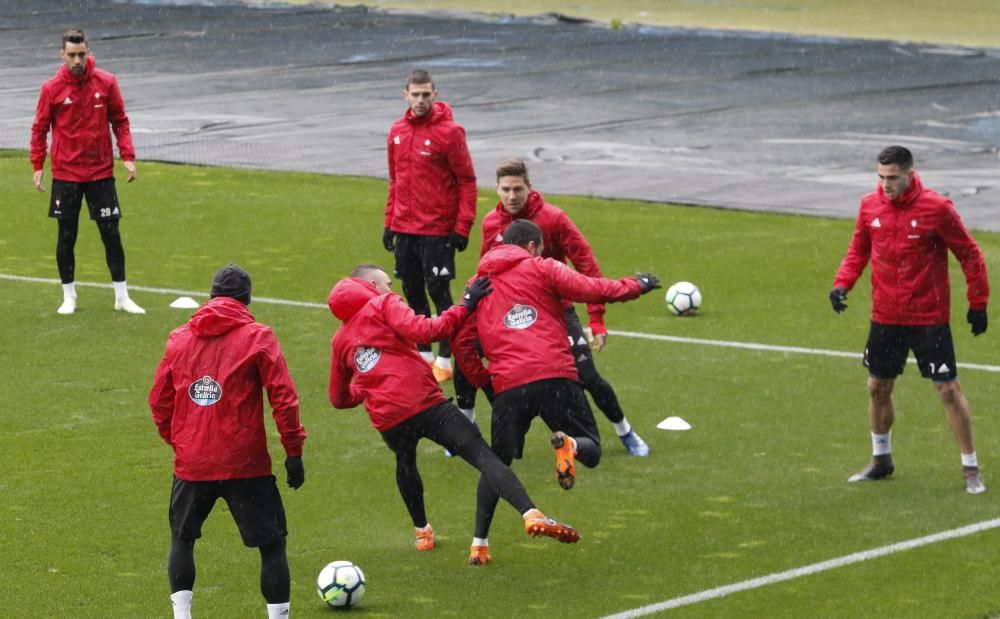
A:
(341, 584)
(683, 299)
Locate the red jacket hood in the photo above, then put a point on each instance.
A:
(501, 259)
(534, 202)
(65, 75)
(909, 196)
(440, 112)
(218, 316)
(349, 296)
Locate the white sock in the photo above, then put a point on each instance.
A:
(427, 355)
(121, 291)
(573, 441)
(470, 414)
(69, 290)
(423, 528)
(480, 541)
(882, 444)
(622, 427)
(278, 611)
(970, 460)
(533, 509)
(182, 604)
(443, 362)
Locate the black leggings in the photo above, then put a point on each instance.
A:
(275, 580)
(446, 426)
(114, 253)
(599, 388)
(439, 290)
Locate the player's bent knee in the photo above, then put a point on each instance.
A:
(439, 290)
(949, 391)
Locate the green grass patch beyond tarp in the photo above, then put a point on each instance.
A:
(971, 23)
(757, 486)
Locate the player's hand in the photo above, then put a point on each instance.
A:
(38, 180)
(296, 471)
(474, 292)
(130, 166)
(837, 297)
(978, 320)
(598, 341)
(647, 282)
(388, 239)
(458, 241)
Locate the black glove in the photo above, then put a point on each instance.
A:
(296, 471)
(458, 241)
(647, 282)
(388, 239)
(837, 297)
(474, 292)
(978, 320)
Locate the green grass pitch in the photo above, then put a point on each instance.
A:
(758, 485)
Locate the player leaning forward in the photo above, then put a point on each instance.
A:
(207, 405)
(906, 230)
(521, 327)
(79, 104)
(562, 241)
(375, 362)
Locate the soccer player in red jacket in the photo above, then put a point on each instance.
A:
(375, 362)
(431, 203)
(562, 241)
(521, 328)
(906, 230)
(79, 104)
(207, 405)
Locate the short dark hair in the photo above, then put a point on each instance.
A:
(73, 36)
(520, 232)
(513, 167)
(365, 269)
(419, 76)
(896, 155)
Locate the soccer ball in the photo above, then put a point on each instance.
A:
(341, 584)
(683, 299)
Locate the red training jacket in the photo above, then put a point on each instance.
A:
(79, 111)
(521, 324)
(432, 185)
(375, 358)
(907, 241)
(206, 396)
(562, 240)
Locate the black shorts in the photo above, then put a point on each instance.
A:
(430, 257)
(888, 346)
(561, 404)
(255, 504)
(442, 423)
(102, 199)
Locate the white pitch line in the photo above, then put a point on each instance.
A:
(772, 348)
(815, 568)
(633, 334)
(189, 293)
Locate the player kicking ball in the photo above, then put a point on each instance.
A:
(375, 362)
